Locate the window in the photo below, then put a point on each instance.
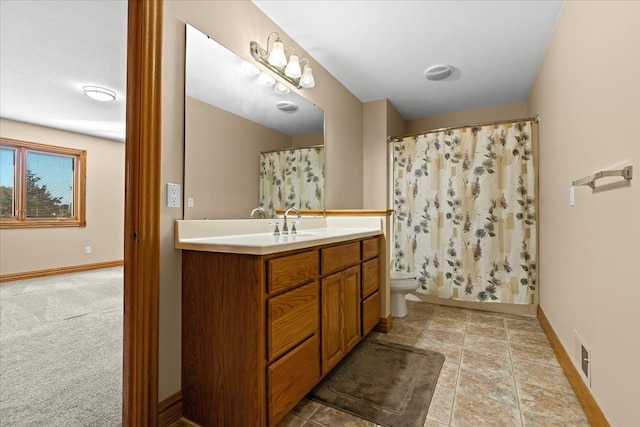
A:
(41, 185)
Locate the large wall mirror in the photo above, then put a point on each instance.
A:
(249, 140)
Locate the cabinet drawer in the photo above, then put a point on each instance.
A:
(293, 376)
(338, 257)
(370, 248)
(291, 270)
(370, 313)
(291, 317)
(370, 277)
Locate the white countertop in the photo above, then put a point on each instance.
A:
(266, 243)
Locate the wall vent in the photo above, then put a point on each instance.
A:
(583, 360)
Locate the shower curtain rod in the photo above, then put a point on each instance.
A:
(291, 148)
(535, 119)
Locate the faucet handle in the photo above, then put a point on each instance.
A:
(276, 232)
(293, 227)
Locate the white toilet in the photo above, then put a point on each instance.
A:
(401, 284)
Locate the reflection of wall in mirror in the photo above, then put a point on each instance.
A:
(223, 158)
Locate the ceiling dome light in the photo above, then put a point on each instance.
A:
(287, 106)
(99, 93)
(438, 72)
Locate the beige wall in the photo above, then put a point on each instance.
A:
(380, 120)
(516, 110)
(587, 93)
(222, 172)
(374, 154)
(308, 140)
(234, 24)
(34, 249)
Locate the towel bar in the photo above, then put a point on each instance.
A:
(626, 173)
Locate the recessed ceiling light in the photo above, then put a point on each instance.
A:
(99, 93)
(438, 72)
(287, 106)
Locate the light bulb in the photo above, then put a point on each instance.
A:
(293, 67)
(277, 57)
(307, 79)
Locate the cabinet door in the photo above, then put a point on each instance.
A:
(351, 308)
(332, 348)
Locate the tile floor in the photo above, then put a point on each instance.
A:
(499, 371)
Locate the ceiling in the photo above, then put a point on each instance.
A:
(380, 49)
(49, 50)
(376, 49)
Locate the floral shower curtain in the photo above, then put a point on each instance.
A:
(293, 177)
(465, 218)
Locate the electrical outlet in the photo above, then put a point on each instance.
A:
(190, 202)
(173, 195)
(87, 250)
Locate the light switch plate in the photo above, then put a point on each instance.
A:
(190, 202)
(173, 195)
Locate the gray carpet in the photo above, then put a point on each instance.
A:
(386, 383)
(61, 350)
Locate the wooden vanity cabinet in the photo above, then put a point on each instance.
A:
(370, 308)
(259, 332)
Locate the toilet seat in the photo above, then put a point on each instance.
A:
(401, 275)
(404, 285)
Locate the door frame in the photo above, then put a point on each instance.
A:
(142, 213)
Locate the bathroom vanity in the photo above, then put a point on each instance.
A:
(264, 318)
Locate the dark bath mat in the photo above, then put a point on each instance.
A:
(386, 383)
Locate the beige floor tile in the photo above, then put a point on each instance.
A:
(305, 408)
(328, 416)
(440, 407)
(430, 423)
(550, 403)
(541, 374)
(291, 420)
(440, 336)
(451, 352)
(447, 324)
(406, 330)
(496, 332)
(534, 419)
(531, 346)
(487, 345)
(497, 364)
(497, 386)
(486, 318)
(480, 411)
(452, 312)
(529, 324)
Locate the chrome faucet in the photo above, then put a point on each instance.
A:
(258, 209)
(285, 229)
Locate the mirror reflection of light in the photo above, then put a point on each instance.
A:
(249, 70)
(266, 80)
(281, 89)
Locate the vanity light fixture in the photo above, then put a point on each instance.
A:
(99, 93)
(275, 59)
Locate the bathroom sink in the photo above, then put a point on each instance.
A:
(309, 233)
